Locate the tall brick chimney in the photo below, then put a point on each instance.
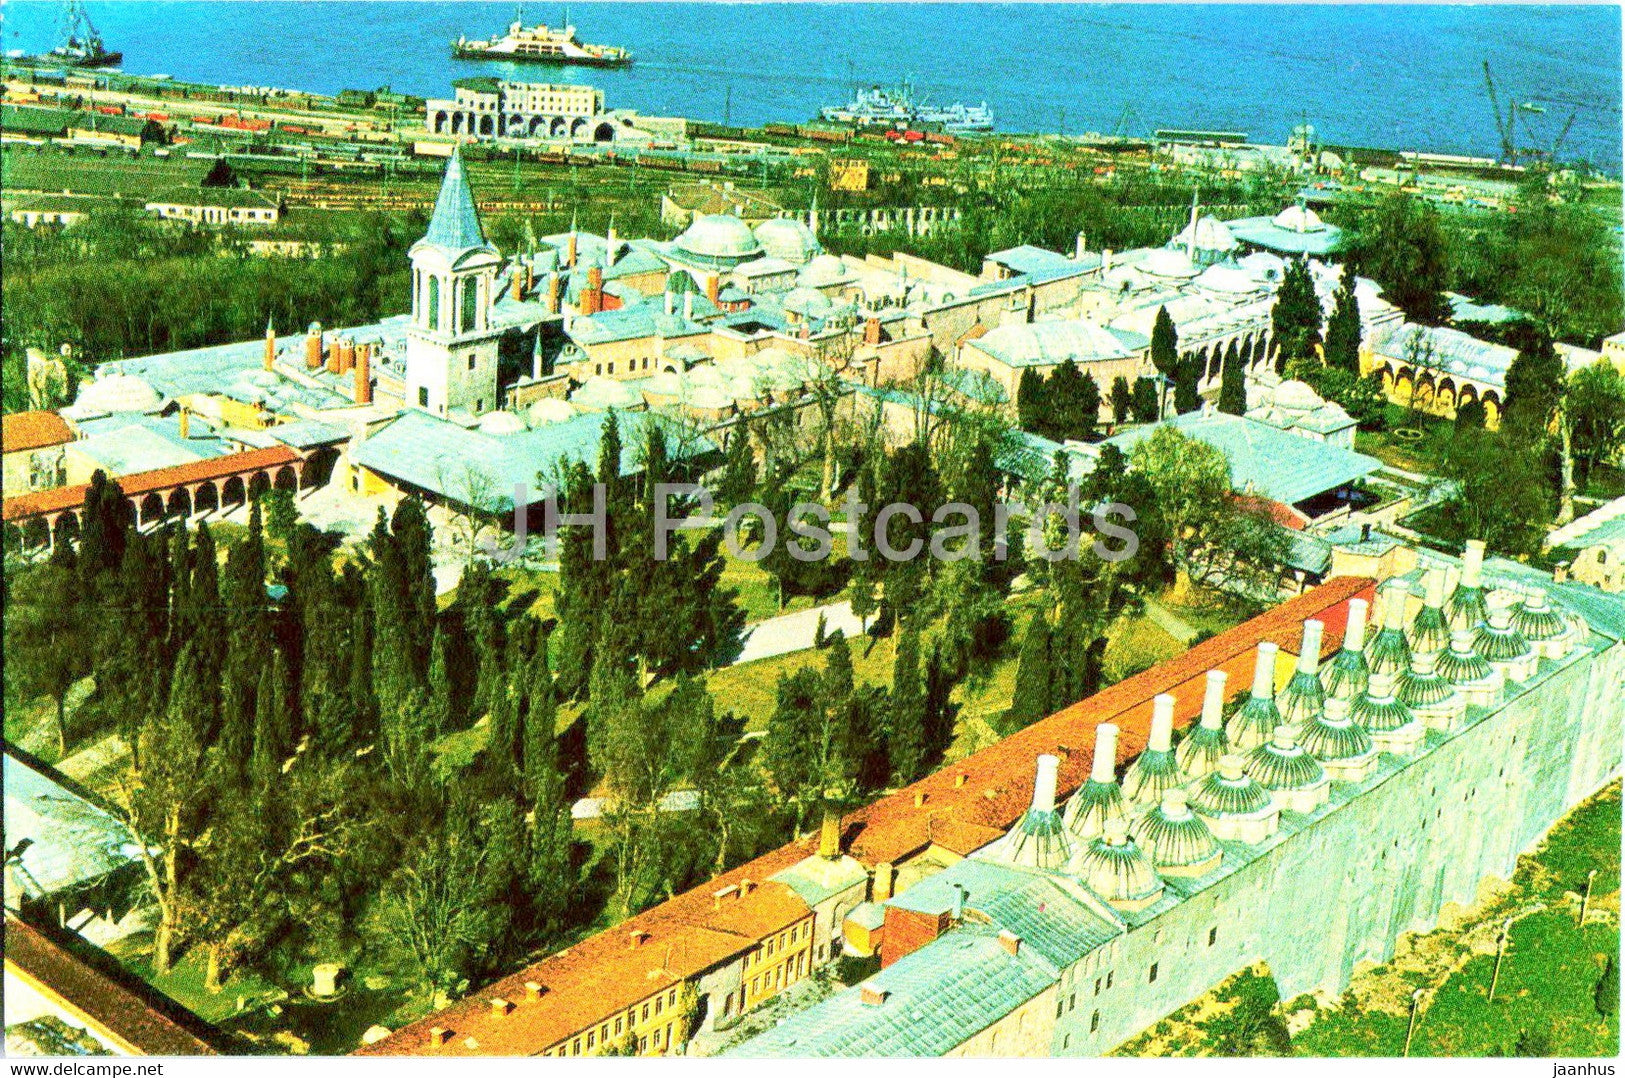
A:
(871, 331)
(363, 374)
(829, 832)
(313, 346)
(270, 344)
(713, 288)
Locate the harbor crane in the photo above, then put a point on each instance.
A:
(1506, 125)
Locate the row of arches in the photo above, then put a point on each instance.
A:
(1437, 394)
(157, 507)
(1256, 351)
(521, 125)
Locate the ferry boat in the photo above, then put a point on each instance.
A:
(81, 46)
(541, 45)
(879, 107)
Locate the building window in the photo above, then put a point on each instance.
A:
(575, 1047)
(660, 1003)
(433, 321)
(471, 302)
(1066, 1041)
(1152, 978)
(612, 366)
(643, 1044)
(645, 1012)
(1108, 978)
(423, 396)
(1097, 986)
(1094, 1022)
(471, 361)
(592, 1038)
(1060, 1007)
(1212, 936)
(1072, 1002)
(618, 1021)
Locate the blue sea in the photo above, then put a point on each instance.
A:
(1394, 76)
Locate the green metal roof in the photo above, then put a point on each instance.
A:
(936, 999)
(456, 221)
(1265, 460)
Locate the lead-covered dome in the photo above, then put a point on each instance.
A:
(1282, 764)
(1299, 219)
(1175, 838)
(719, 238)
(118, 392)
(1114, 867)
(789, 239)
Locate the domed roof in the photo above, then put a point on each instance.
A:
(1227, 279)
(1461, 665)
(1229, 791)
(1168, 262)
(1345, 677)
(1173, 836)
(119, 392)
(1263, 265)
(708, 397)
(1092, 807)
(1114, 867)
(549, 410)
(1150, 775)
(600, 394)
(1333, 735)
(1295, 396)
(1282, 764)
(787, 238)
(1253, 723)
(1201, 750)
(1210, 234)
(824, 270)
(1299, 219)
(1422, 686)
(1047, 343)
(1536, 620)
(717, 235)
(806, 301)
(501, 423)
(665, 384)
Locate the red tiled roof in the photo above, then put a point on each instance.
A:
(33, 430)
(112, 1008)
(1285, 515)
(138, 483)
(964, 806)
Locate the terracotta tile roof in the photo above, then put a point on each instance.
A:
(33, 430)
(691, 933)
(138, 483)
(1285, 515)
(125, 1012)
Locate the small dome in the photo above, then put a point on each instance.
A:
(1421, 686)
(709, 398)
(602, 394)
(719, 237)
(1333, 735)
(1378, 709)
(1253, 723)
(1302, 700)
(118, 392)
(264, 378)
(806, 301)
(1299, 219)
(1174, 837)
(1461, 665)
(789, 239)
(1429, 630)
(1345, 677)
(1151, 775)
(1227, 279)
(1295, 396)
(1230, 791)
(665, 384)
(1389, 652)
(823, 270)
(549, 410)
(1535, 619)
(1282, 764)
(1264, 266)
(1466, 609)
(1201, 750)
(1168, 262)
(501, 423)
(1114, 867)
(1209, 234)
(1094, 806)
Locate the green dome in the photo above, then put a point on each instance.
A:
(1421, 686)
(1151, 774)
(1536, 621)
(1500, 643)
(1093, 806)
(1201, 750)
(1461, 665)
(1346, 675)
(1334, 735)
(1253, 723)
(718, 239)
(1282, 764)
(1038, 840)
(1389, 652)
(1303, 698)
(1229, 791)
(1173, 836)
(1429, 631)
(1114, 867)
(1466, 609)
(1378, 709)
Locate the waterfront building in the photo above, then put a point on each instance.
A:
(483, 107)
(216, 206)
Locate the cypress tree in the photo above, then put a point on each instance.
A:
(1122, 399)
(1187, 384)
(1145, 403)
(1030, 701)
(1031, 400)
(1606, 994)
(739, 471)
(441, 719)
(1088, 408)
(1343, 328)
(104, 531)
(1233, 384)
(1296, 317)
(1164, 344)
(906, 733)
(1067, 399)
(273, 729)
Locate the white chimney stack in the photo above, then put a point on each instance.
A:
(1309, 656)
(1393, 611)
(1175, 803)
(1472, 564)
(688, 306)
(1044, 783)
(1354, 634)
(1433, 583)
(1105, 765)
(1213, 700)
(1264, 671)
(1162, 723)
